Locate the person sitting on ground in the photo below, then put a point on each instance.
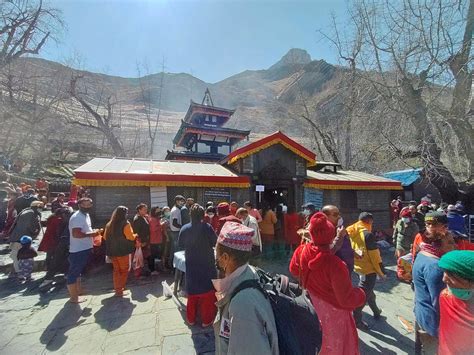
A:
(120, 243)
(198, 239)
(251, 222)
(456, 303)
(141, 227)
(26, 254)
(328, 282)
(211, 217)
(367, 264)
(428, 280)
(246, 324)
(28, 222)
(252, 211)
(58, 202)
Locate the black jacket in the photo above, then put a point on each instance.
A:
(142, 228)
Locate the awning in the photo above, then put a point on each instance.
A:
(406, 177)
(141, 172)
(275, 138)
(349, 180)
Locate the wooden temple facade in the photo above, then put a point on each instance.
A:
(275, 169)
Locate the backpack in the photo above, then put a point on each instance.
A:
(298, 328)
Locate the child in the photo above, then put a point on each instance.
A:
(25, 258)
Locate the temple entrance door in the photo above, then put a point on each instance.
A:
(279, 186)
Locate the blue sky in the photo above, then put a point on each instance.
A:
(210, 39)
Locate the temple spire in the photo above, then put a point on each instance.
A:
(207, 99)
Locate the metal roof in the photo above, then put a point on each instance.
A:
(347, 175)
(406, 177)
(152, 167)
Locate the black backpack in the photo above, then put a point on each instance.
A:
(298, 328)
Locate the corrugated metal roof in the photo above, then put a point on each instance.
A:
(347, 175)
(406, 177)
(161, 167)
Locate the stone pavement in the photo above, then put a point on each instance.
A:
(147, 323)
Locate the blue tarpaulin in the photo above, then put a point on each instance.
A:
(406, 177)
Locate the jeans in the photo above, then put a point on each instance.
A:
(367, 282)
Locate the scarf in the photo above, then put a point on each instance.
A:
(433, 248)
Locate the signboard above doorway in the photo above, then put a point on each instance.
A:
(260, 188)
(314, 196)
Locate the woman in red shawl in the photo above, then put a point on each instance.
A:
(292, 224)
(51, 236)
(327, 280)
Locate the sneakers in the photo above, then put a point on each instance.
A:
(378, 314)
(45, 283)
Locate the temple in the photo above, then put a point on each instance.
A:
(202, 135)
(269, 171)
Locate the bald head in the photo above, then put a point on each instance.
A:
(332, 213)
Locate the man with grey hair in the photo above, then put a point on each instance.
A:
(341, 246)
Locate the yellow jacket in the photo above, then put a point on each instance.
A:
(367, 259)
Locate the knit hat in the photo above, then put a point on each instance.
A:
(25, 240)
(459, 262)
(436, 217)
(406, 213)
(236, 236)
(223, 209)
(322, 231)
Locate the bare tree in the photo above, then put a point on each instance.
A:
(413, 54)
(100, 118)
(25, 26)
(151, 109)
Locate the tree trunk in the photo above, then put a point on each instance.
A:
(434, 169)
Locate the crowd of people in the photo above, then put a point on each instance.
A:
(222, 244)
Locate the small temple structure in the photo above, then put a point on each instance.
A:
(202, 134)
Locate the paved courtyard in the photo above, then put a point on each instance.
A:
(147, 323)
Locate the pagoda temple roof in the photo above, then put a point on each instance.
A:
(188, 155)
(201, 108)
(275, 138)
(189, 128)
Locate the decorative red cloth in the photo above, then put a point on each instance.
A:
(325, 276)
(463, 244)
(292, 224)
(51, 235)
(456, 325)
(156, 232)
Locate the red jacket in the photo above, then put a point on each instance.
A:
(324, 275)
(214, 222)
(292, 224)
(51, 235)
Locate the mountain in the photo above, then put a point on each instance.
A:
(265, 101)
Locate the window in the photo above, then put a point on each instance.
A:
(300, 167)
